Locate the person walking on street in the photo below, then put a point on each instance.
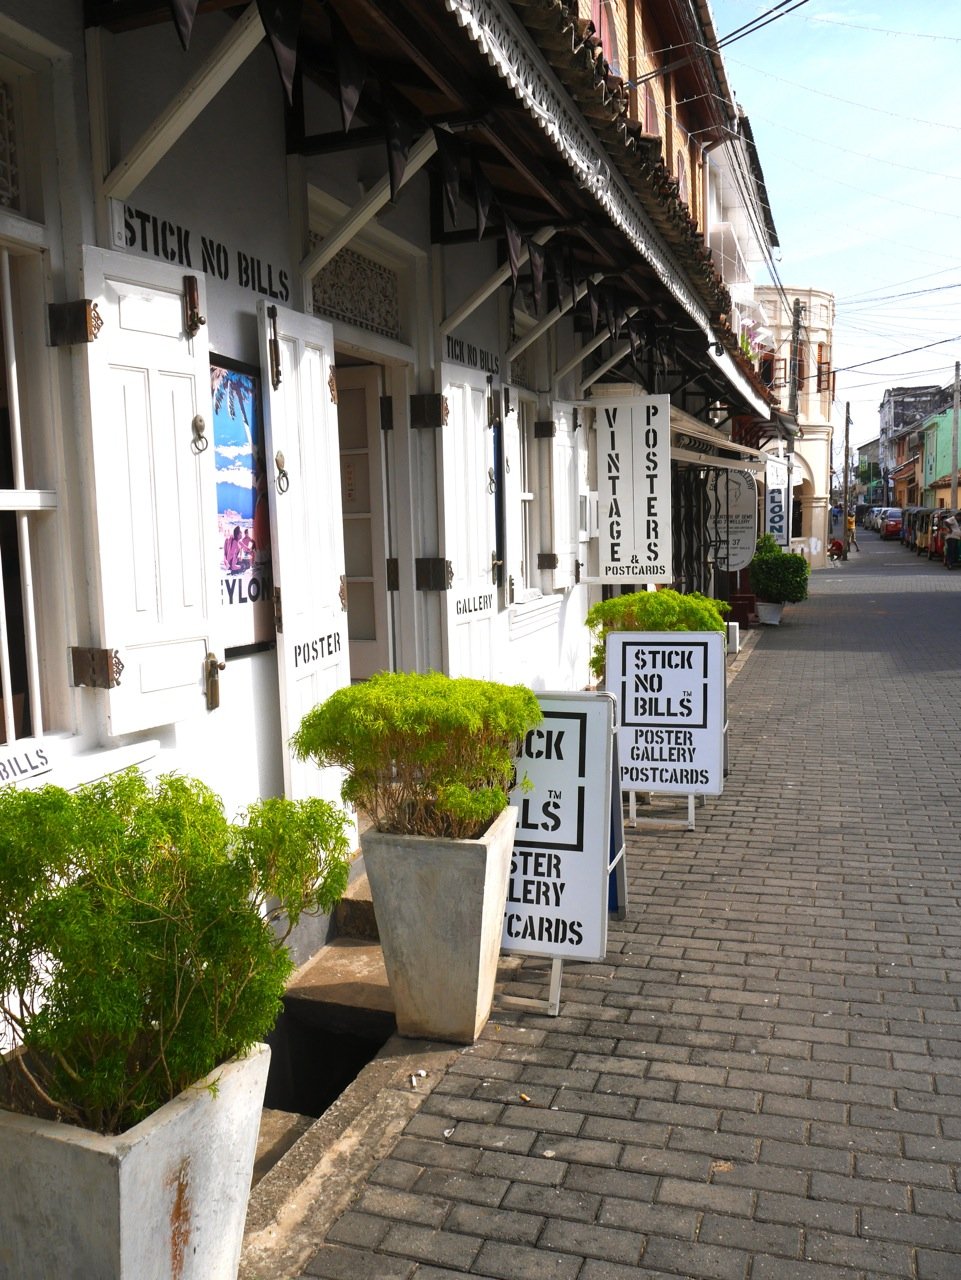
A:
(852, 532)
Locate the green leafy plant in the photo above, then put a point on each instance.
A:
(142, 936)
(778, 577)
(425, 753)
(664, 610)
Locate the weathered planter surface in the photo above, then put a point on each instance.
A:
(440, 914)
(164, 1201)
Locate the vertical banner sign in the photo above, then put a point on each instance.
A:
(732, 523)
(669, 688)
(557, 894)
(634, 489)
(777, 501)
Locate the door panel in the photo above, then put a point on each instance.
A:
(302, 455)
(155, 497)
(467, 448)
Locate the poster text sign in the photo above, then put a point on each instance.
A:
(777, 501)
(669, 687)
(557, 893)
(634, 489)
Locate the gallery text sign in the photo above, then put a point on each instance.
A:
(669, 687)
(557, 892)
(634, 489)
(777, 501)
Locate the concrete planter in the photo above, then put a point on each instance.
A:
(440, 914)
(769, 614)
(164, 1201)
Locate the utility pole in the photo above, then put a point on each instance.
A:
(847, 471)
(795, 368)
(954, 435)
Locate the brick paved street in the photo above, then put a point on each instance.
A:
(763, 1079)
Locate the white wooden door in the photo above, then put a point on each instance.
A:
(467, 450)
(565, 473)
(306, 527)
(154, 487)
(363, 494)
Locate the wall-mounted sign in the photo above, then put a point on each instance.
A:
(777, 501)
(460, 351)
(557, 894)
(732, 522)
(158, 237)
(634, 489)
(669, 688)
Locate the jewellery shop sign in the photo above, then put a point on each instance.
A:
(669, 688)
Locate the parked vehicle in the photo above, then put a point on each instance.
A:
(922, 529)
(871, 517)
(889, 523)
(936, 539)
(909, 525)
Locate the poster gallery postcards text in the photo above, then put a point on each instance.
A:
(634, 489)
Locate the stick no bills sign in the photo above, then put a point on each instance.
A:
(669, 687)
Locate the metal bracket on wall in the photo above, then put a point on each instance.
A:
(96, 668)
(71, 323)
(433, 574)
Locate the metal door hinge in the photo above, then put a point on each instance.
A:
(433, 574)
(547, 560)
(545, 429)
(386, 413)
(96, 668)
(393, 574)
(73, 322)
(343, 592)
(278, 611)
(429, 410)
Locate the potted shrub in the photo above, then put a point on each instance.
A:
(142, 961)
(664, 610)
(430, 760)
(777, 578)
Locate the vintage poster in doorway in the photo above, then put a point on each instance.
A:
(243, 524)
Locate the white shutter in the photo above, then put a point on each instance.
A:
(564, 495)
(467, 451)
(306, 528)
(513, 515)
(155, 503)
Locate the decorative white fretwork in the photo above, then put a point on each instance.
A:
(9, 169)
(508, 47)
(359, 291)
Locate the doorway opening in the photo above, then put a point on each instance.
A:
(366, 514)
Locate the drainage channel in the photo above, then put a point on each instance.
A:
(317, 1050)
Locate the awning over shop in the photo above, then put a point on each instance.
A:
(744, 457)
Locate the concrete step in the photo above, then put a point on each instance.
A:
(353, 917)
(279, 1131)
(344, 987)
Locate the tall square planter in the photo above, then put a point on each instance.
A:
(166, 1200)
(440, 914)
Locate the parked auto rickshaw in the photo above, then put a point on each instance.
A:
(908, 525)
(922, 529)
(936, 541)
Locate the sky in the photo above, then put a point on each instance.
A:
(856, 112)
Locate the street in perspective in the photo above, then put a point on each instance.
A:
(762, 1079)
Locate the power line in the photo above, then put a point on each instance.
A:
(896, 354)
(863, 155)
(884, 31)
(897, 115)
